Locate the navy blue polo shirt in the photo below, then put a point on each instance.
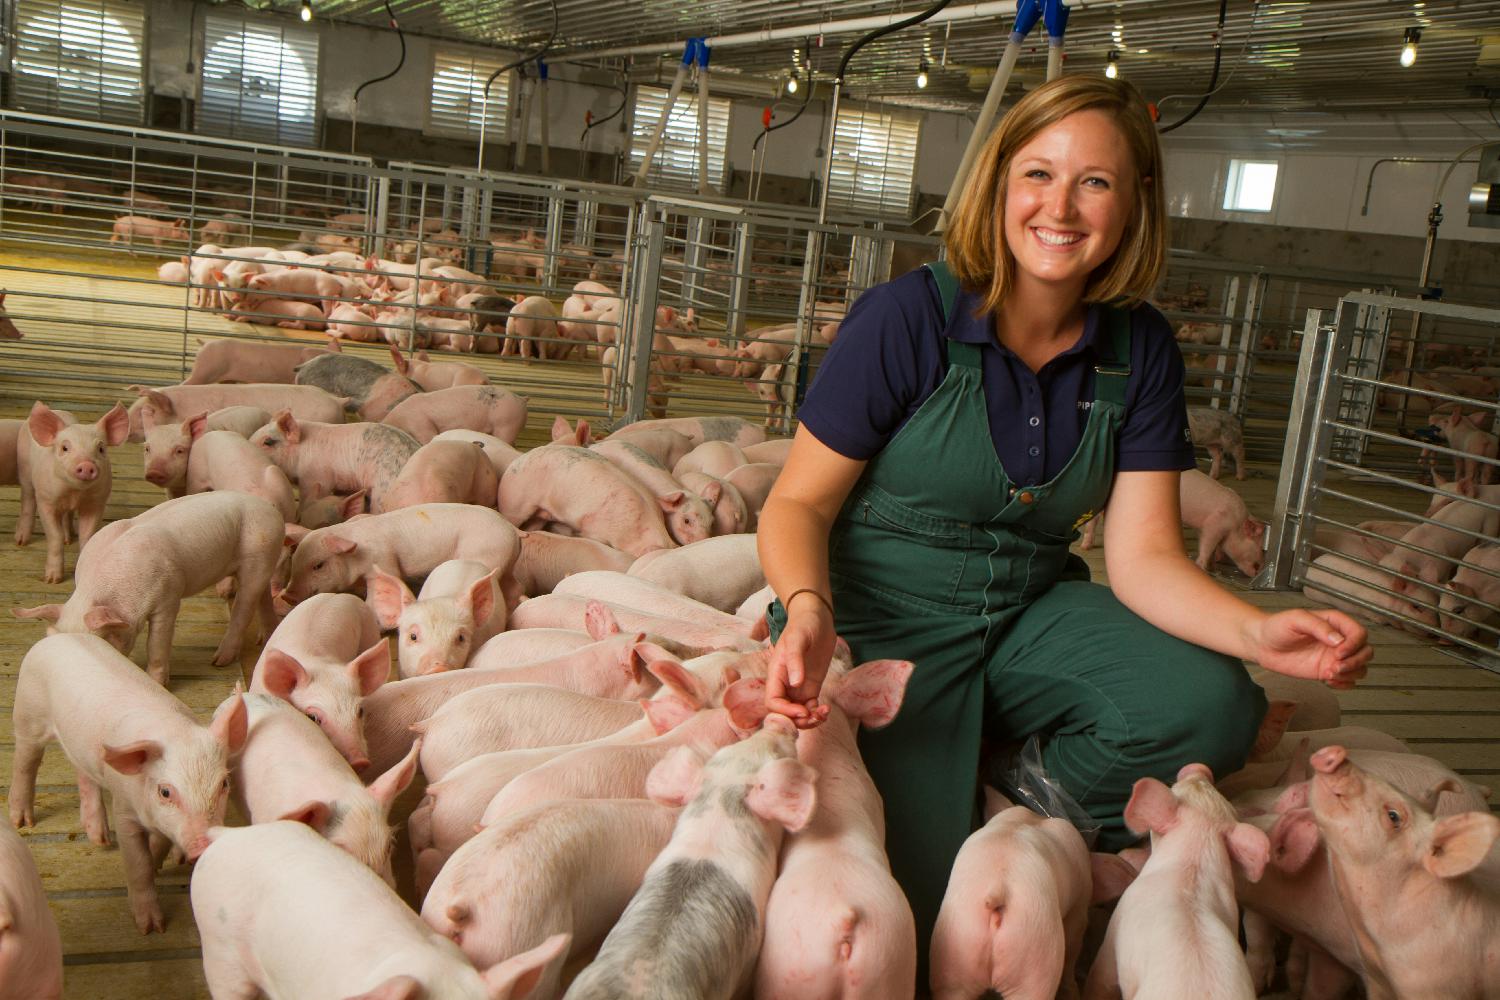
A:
(891, 354)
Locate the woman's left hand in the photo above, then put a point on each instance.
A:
(1322, 645)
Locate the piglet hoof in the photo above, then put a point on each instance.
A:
(53, 574)
(97, 834)
(22, 816)
(226, 654)
(148, 917)
(23, 537)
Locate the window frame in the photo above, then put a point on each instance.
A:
(674, 178)
(499, 131)
(249, 22)
(852, 199)
(131, 15)
(1234, 187)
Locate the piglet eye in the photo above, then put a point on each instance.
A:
(64, 446)
(225, 786)
(1394, 817)
(164, 792)
(411, 637)
(315, 717)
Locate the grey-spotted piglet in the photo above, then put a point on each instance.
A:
(694, 929)
(1218, 431)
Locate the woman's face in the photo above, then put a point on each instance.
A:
(1068, 195)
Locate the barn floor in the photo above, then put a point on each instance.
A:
(1415, 690)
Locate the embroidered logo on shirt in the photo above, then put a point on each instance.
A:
(1084, 519)
(1085, 404)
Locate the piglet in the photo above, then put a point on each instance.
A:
(432, 375)
(373, 389)
(563, 867)
(1476, 584)
(459, 609)
(1218, 431)
(8, 329)
(498, 452)
(694, 929)
(1425, 918)
(30, 949)
(1481, 448)
(486, 408)
(1185, 892)
(128, 227)
(547, 559)
(288, 770)
(64, 469)
(531, 327)
(735, 430)
(720, 572)
(283, 913)
(336, 457)
(249, 361)
(167, 775)
(178, 402)
(575, 487)
(443, 472)
(714, 458)
(324, 658)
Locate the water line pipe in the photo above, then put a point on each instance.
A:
(689, 53)
(523, 134)
(541, 71)
(703, 186)
(354, 119)
(1028, 12)
(1055, 17)
(484, 100)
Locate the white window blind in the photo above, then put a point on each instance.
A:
(80, 59)
(458, 103)
(675, 166)
(874, 162)
(260, 81)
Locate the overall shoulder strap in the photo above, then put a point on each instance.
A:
(947, 284)
(1112, 374)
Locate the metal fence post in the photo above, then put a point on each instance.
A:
(739, 282)
(644, 327)
(554, 237)
(1226, 332)
(1248, 336)
(694, 262)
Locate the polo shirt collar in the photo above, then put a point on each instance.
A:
(967, 328)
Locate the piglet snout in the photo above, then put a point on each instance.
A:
(1200, 770)
(156, 477)
(360, 764)
(197, 846)
(86, 471)
(1329, 759)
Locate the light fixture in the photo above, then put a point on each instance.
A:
(306, 12)
(922, 75)
(1112, 64)
(1409, 49)
(791, 85)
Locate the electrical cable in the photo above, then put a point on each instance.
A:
(400, 36)
(1239, 62)
(1213, 80)
(800, 108)
(878, 32)
(596, 122)
(546, 46)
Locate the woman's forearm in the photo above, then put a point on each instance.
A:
(1168, 590)
(792, 539)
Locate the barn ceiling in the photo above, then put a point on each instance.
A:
(1276, 54)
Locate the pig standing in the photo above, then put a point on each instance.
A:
(64, 470)
(443, 472)
(1476, 583)
(127, 227)
(459, 610)
(485, 408)
(141, 569)
(564, 867)
(1481, 448)
(163, 404)
(336, 457)
(1218, 431)
(1226, 531)
(531, 327)
(325, 658)
(248, 361)
(283, 913)
(288, 770)
(167, 775)
(1185, 892)
(30, 949)
(374, 389)
(837, 923)
(1425, 920)
(188, 458)
(694, 929)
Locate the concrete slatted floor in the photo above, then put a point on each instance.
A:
(1415, 691)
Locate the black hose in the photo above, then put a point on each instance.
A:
(526, 58)
(624, 99)
(402, 62)
(1213, 80)
(800, 108)
(878, 32)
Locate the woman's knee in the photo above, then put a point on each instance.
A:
(1215, 717)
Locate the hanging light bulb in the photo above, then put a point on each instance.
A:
(791, 85)
(306, 12)
(922, 75)
(1409, 49)
(1112, 64)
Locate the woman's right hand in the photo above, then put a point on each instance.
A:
(800, 662)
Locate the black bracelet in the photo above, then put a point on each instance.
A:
(807, 590)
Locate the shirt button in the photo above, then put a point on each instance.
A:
(1035, 421)
(1033, 451)
(1026, 497)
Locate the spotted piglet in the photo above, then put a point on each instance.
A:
(694, 929)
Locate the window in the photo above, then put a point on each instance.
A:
(874, 162)
(1251, 186)
(260, 81)
(458, 102)
(675, 165)
(80, 58)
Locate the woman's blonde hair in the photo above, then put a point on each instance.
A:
(975, 238)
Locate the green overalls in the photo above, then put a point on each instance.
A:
(937, 558)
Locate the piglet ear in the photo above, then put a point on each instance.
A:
(1152, 807)
(395, 988)
(281, 674)
(871, 693)
(197, 425)
(338, 545)
(43, 424)
(560, 429)
(400, 361)
(745, 701)
(785, 792)
(392, 783)
(517, 976)
(49, 612)
(1460, 843)
(288, 426)
(679, 679)
(160, 400)
(115, 425)
(671, 501)
(100, 618)
(231, 725)
(314, 814)
(1250, 849)
(481, 597)
(1112, 875)
(372, 668)
(1294, 840)
(1429, 798)
(132, 757)
(294, 533)
(388, 597)
(599, 621)
(666, 713)
(712, 493)
(352, 504)
(675, 779)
